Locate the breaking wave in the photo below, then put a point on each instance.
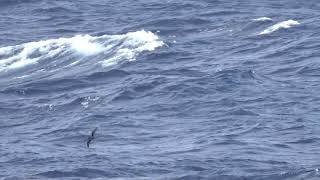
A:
(281, 25)
(263, 19)
(62, 53)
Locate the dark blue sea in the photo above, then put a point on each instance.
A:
(178, 89)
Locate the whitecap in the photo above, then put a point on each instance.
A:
(86, 45)
(281, 25)
(107, 49)
(136, 42)
(263, 19)
(85, 103)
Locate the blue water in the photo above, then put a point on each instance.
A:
(184, 89)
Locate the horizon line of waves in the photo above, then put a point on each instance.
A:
(109, 49)
(281, 25)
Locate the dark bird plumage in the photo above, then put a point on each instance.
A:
(90, 138)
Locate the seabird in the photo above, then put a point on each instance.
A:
(90, 138)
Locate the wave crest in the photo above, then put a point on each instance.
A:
(263, 19)
(66, 52)
(280, 25)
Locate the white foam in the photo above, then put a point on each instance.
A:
(31, 53)
(85, 103)
(281, 25)
(84, 45)
(115, 47)
(263, 19)
(136, 42)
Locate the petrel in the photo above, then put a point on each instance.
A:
(90, 138)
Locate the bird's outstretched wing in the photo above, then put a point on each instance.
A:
(88, 142)
(94, 132)
(90, 138)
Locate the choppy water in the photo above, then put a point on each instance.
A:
(225, 90)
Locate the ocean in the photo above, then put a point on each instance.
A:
(206, 89)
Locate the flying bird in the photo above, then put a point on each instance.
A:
(90, 138)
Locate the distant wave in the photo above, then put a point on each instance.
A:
(66, 52)
(281, 25)
(262, 19)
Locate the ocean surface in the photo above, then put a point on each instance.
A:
(178, 89)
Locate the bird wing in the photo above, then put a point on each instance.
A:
(94, 132)
(88, 142)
